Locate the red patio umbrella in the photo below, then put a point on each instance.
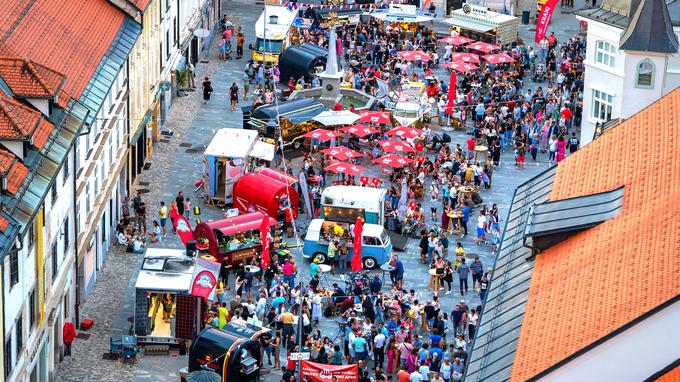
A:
(396, 147)
(322, 134)
(357, 264)
(359, 130)
(341, 153)
(376, 117)
(393, 160)
(465, 57)
(414, 55)
(456, 40)
(460, 66)
(405, 132)
(345, 168)
(483, 47)
(498, 58)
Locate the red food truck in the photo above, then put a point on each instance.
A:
(268, 192)
(236, 238)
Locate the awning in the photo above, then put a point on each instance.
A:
(304, 116)
(468, 24)
(263, 150)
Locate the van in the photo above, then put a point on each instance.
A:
(346, 203)
(272, 32)
(376, 248)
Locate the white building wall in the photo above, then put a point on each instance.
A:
(673, 70)
(633, 97)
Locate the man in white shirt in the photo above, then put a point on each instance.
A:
(416, 376)
(379, 348)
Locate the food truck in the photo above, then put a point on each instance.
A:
(233, 352)
(376, 246)
(296, 117)
(236, 238)
(349, 202)
(165, 310)
(344, 15)
(272, 32)
(226, 159)
(412, 105)
(305, 61)
(258, 192)
(481, 24)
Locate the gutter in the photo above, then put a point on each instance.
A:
(75, 245)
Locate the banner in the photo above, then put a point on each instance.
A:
(357, 264)
(205, 277)
(543, 19)
(451, 97)
(317, 372)
(266, 237)
(183, 228)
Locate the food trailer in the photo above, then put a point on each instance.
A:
(481, 24)
(272, 32)
(346, 203)
(165, 310)
(305, 61)
(296, 117)
(237, 239)
(230, 352)
(225, 161)
(258, 192)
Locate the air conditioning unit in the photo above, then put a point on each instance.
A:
(273, 19)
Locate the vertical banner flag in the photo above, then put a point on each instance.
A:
(183, 228)
(544, 19)
(357, 264)
(266, 237)
(205, 277)
(451, 97)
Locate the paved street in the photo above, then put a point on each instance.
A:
(176, 165)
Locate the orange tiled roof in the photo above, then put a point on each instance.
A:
(70, 37)
(13, 170)
(4, 223)
(140, 4)
(20, 122)
(672, 375)
(596, 281)
(29, 79)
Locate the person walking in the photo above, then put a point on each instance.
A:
(246, 84)
(240, 40)
(180, 203)
(463, 271)
(233, 95)
(477, 270)
(207, 89)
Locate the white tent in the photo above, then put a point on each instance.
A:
(342, 117)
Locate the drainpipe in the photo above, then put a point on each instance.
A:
(75, 242)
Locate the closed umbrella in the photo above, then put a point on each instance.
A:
(359, 130)
(394, 146)
(345, 168)
(340, 117)
(322, 134)
(357, 264)
(392, 160)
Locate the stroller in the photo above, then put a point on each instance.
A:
(539, 72)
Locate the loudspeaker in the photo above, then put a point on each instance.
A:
(192, 249)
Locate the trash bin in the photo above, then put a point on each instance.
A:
(525, 17)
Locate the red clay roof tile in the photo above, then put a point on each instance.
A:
(4, 223)
(140, 4)
(13, 170)
(71, 37)
(29, 79)
(672, 375)
(17, 121)
(596, 281)
(42, 133)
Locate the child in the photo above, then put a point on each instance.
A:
(187, 208)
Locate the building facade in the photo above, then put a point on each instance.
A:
(624, 72)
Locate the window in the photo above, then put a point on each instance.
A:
(13, 268)
(605, 53)
(20, 332)
(53, 192)
(55, 262)
(602, 105)
(31, 234)
(645, 74)
(66, 168)
(32, 309)
(8, 357)
(67, 232)
(167, 44)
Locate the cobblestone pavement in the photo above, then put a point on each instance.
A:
(175, 168)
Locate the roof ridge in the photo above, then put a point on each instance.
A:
(28, 65)
(9, 114)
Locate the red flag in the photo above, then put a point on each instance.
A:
(357, 264)
(183, 228)
(451, 100)
(375, 181)
(266, 237)
(544, 19)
